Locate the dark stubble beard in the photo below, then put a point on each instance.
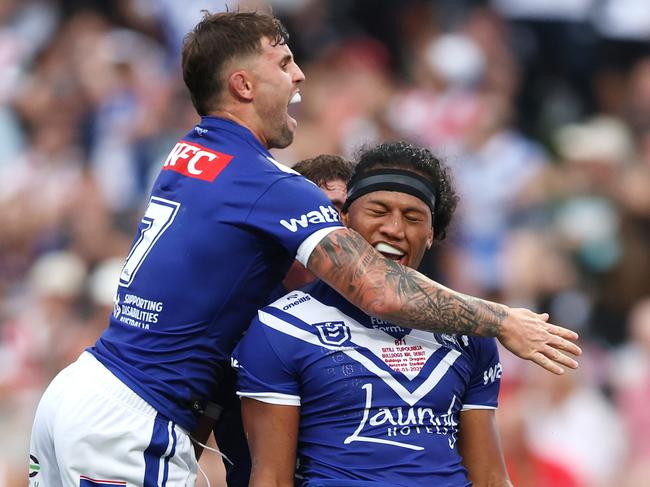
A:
(282, 139)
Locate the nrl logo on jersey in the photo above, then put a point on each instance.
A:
(333, 332)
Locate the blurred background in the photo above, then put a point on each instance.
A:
(541, 107)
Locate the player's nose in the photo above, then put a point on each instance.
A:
(393, 226)
(298, 76)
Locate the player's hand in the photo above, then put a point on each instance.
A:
(529, 336)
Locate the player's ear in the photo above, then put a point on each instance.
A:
(344, 217)
(430, 238)
(240, 84)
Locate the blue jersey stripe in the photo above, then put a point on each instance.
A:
(156, 451)
(171, 454)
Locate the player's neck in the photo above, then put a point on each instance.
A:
(240, 120)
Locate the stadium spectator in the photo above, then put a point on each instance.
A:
(630, 376)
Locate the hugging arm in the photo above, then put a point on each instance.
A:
(387, 290)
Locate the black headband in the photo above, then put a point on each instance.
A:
(399, 180)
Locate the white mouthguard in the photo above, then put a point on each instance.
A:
(388, 249)
(296, 98)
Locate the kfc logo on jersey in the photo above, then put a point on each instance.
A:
(333, 332)
(196, 161)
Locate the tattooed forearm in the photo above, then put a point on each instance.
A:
(398, 294)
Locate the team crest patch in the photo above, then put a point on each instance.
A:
(88, 482)
(333, 332)
(34, 466)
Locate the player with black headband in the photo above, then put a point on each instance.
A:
(358, 400)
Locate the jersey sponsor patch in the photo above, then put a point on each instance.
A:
(89, 482)
(324, 214)
(387, 424)
(196, 161)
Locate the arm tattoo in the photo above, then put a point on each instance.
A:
(350, 265)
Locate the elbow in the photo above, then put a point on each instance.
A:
(381, 308)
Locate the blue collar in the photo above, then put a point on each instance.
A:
(219, 123)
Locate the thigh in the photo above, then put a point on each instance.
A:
(43, 464)
(100, 438)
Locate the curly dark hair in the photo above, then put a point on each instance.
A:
(217, 39)
(325, 168)
(402, 155)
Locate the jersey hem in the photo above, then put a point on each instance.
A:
(272, 398)
(468, 407)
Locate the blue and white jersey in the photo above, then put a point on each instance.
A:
(378, 402)
(223, 224)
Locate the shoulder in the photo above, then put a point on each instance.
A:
(311, 300)
(306, 315)
(481, 348)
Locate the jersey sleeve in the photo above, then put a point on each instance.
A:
(261, 373)
(296, 213)
(483, 388)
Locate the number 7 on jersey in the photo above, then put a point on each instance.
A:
(159, 216)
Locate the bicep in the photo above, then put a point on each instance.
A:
(272, 435)
(480, 447)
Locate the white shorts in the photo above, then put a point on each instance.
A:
(92, 430)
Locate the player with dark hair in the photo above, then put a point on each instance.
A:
(358, 400)
(418, 159)
(330, 173)
(223, 224)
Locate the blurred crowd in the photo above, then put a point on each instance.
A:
(541, 108)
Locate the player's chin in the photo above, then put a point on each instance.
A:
(283, 139)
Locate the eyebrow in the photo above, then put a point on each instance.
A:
(405, 210)
(286, 58)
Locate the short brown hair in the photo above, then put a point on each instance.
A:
(325, 168)
(217, 39)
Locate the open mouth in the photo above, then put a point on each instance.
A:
(389, 251)
(296, 98)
